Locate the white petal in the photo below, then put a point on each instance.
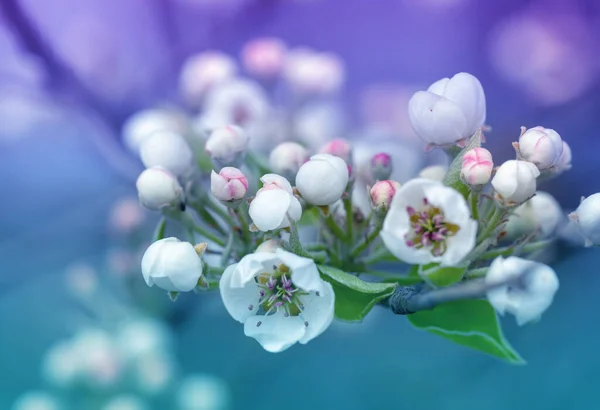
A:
(466, 91)
(294, 211)
(238, 299)
(252, 265)
(460, 244)
(395, 242)
(268, 209)
(151, 257)
(450, 201)
(305, 274)
(318, 312)
(278, 180)
(436, 119)
(276, 332)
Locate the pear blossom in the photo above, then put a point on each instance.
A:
(450, 111)
(586, 218)
(99, 364)
(541, 146)
(274, 206)
(434, 172)
(477, 166)
(515, 181)
(287, 158)
(158, 188)
(172, 265)
(542, 212)
(339, 148)
(264, 57)
(317, 122)
(167, 150)
(382, 194)
(203, 71)
(382, 166)
(143, 124)
(529, 295)
(203, 392)
(323, 179)
(227, 145)
(429, 222)
(279, 297)
(311, 72)
(60, 365)
(37, 400)
(270, 245)
(229, 185)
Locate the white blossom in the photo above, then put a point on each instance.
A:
(564, 162)
(434, 172)
(450, 111)
(167, 150)
(227, 145)
(323, 179)
(587, 219)
(264, 57)
(287, 158)
(429, 222)
(542, 212)
(143, 124)
(125, 402)
(158, 188)
(203, 392)
(274, 204)
(202, 72)
(37, 400)
(541, 146)
(515, 181)
(311, 72)
(529, 295)
(172, 265)
(279, 297)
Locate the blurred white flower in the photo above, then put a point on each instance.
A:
(227, 145)
(60, 365)
(450, 111)
(37, 400)
(142, 337)
(287, 158)
(154, 373)
(527, 297)
(158, 188)
(125, 402)
(203, 392)
(167, 150)
(264, 57)
(311, 72)
(323, 179)
(587, 219)
(126, 215)
(82, 279)
(434, 172)
(145, 123)
(202, 72)
(316, 123)
(542, 212)
(172, 265)
(279, 297)
(515, 181)
(338, 147)
(274, 204)
(100, 364)
(564, 162)
(429, 222)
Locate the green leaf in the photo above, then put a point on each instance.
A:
(472, 323)
(452, 178)
(354, 298)
(443, 276)
(159, 231)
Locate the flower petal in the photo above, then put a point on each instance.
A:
(318, 312)
(238, 299)
(305, 274)
(436, 120)
(466, 91)
(450, 201)
(276, 332)
(252, 265)
(268, 209)
(460, 244)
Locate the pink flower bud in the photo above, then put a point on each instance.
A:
(287, 158)
(541, 146)
(382, 194)
(477, 166)
(264, 57)
(227, 145)
(381, 166)
(229, 185)
(339, 148)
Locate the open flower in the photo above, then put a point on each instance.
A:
(529, 295)
(274, 204)
(450, 111)
(279, 297)
(429, 222)
(323, 179)
(172, 265)
(587, 219)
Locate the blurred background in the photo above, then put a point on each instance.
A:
(78, 327)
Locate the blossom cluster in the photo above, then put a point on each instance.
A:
(274, 218)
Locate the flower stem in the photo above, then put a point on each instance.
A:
(506, 251)
(186, 220)
(349, 219)
(240, 213)
(335, 228)
(207, 217)
(361, 247)
(216, 208)
(474, 205)
(491, 224)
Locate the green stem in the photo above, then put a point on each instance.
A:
(506, 251)
(208, 235)
(491, 224)
(207, 217)
(474, 202)
(476, 273)
(216, 270)
(367, 241)
(223, 214)
(335, 228)
(349, 220)
(244, 226)
(187, 221)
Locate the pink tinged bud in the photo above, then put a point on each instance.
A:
(227, 145)
(287, 158)
(381, 166)
(477, 166)
(229, 185)
(340, 148)
(383, 192)
(541, 146)
(158, 188)
(264, 57)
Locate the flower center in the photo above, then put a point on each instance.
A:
(429, 229)
(277, 291)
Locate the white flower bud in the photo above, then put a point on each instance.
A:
(167, 150)
(287, 158)
(229, 185)
(542, 212)
(158, 188)
(526, 298)
(203, 71)
(451, 110)
(382, 194)
(270, 245)
(564, 162)
(515, 181)
(541, 146)
(434, 172)
(477, 166)
(227, 145)
(143, 124)
(587, 219)
(339, 148)
(274, 204)
(172, 265)
(264, 57)
(323, 179)
(309, 72)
